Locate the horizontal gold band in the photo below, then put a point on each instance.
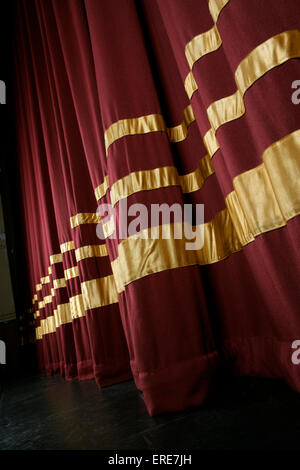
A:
(215, 8)
(160, 178)
(84, 218)
(100, 191)
(190, 84)
(271, 53)
(180, 132)
(263, 199)
(71, 272)
(77, 306)
(133, 126)
(99, 292)
(56, 258)
(203, 44)
(47, 299)
(147, 124)
(61, 315)
(219, 242)
(96, 293)
(90, 251)
(67, 246)
(109, 227)
(45, 280)
(59, 283)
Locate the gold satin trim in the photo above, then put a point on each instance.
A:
(95, 293)
(210, 142)
(99, 292)
(190, 84)
(38, 287)
(90, 251)
(133, 126)
(271, 53)
(100, 191)
(49, 270)
(84, 218)
(147, 124)
(77, 306)
(219, 242)
(71, 272)
(264, 198)
(47, 299)
(180, 132)
(59, 283)
(215, 8)
(109, 227)
(203, 44)
(67, 246)
(160, 178)
(61, 315)
(45, 280)
(56, 258)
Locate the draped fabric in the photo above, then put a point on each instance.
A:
(152, 102)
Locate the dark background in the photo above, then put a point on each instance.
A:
(19, 352)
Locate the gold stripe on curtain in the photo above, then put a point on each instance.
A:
(271, 53)
(262, 59)
(84, 218)
(90, 251)
(264, 198)
(146, 124)
(203, 44)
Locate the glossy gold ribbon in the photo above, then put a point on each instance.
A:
(264, 198)
(271, 53)
(57, 258)
(67, 246)
(145, 125)
(95, 293)
(90, 251)
(146, 180)
(203, 44)
(72, 272)
(84, 218)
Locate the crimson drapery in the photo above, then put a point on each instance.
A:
(161, 101)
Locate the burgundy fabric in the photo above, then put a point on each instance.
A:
(82, 65)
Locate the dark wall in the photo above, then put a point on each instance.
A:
(20, 353)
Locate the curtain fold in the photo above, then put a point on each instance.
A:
(161, 102)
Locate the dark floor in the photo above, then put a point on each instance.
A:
(40, 412)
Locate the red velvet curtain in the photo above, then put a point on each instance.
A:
(152, 102)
